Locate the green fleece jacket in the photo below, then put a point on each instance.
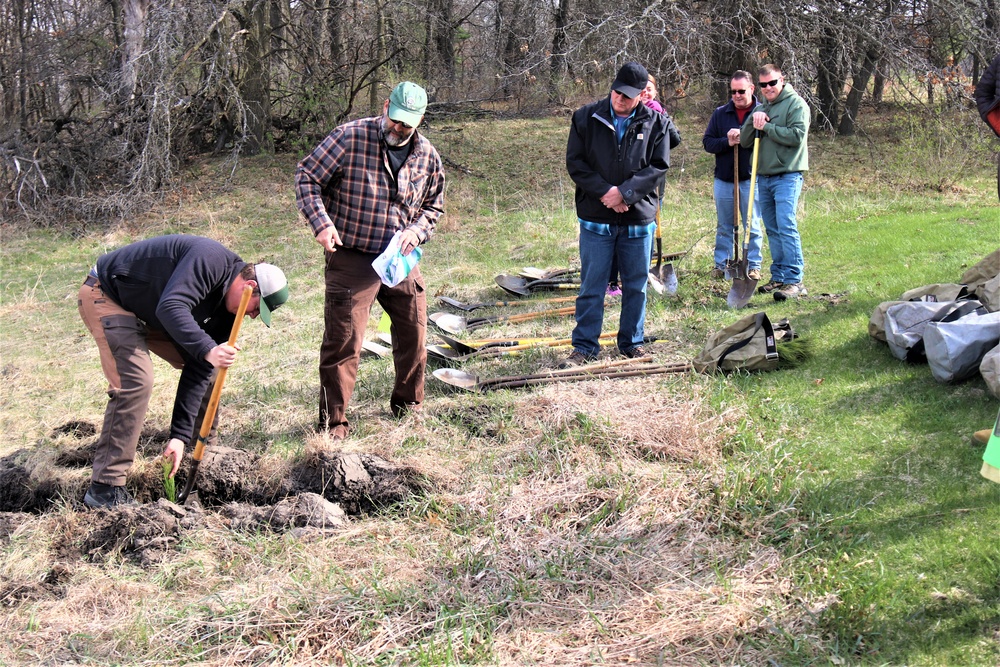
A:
(783, 145)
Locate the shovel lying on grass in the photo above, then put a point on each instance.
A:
(743, 286)
(524, 287)
(614, 369)
(213, 401)
(453, 354)
(469, 307)
(532, 273)
(470, 346)
(456, 324)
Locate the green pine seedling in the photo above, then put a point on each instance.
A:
(169, 486)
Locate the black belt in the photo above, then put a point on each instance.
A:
(91, 281)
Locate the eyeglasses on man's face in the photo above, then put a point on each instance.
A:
(772, 82)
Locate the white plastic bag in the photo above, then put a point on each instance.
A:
(955, 349)
(392, 266)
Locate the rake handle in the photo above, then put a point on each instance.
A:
(520, 317)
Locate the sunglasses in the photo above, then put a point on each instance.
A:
(768, 84)
(401, 124)
(737, 91)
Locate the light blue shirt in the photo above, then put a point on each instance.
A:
(604, 229)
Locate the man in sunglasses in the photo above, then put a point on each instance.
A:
(366, 181)
(175, 296)
(721, 136)
(617, 154)
(783, 124)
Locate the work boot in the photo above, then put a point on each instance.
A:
(717, 274)
(338, 432)
(770, 287)
(790, 291)
(400, 410)
(107, 496)
(576, 358)
(981, 437)
(753, 274)
(637, 352)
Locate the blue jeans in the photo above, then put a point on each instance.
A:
(779, 200)
(724, 230)
(596, 251)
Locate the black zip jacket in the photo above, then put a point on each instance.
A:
(723, 119)
(177, 284)
(596, 162)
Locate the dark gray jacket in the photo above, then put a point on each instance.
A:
(596, 162)
(177, 284)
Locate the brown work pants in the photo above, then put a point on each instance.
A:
(124, 343)
(352, 287)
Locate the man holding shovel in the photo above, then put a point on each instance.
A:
(175, 296)
(722, 139)
(368, 180)
(617, 153)
(781, 127)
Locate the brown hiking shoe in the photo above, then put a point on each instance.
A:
(637, 352)
(576, 358)
(338, 432)
(981, 437)
(792, 291)
(753, 274)
(772, 286)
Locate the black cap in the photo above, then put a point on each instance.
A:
(631, 80)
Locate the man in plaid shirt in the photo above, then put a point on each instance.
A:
(367, 180)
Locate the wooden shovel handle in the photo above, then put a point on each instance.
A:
(213, 401)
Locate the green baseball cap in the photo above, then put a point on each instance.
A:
(273, 289)
(407, 103)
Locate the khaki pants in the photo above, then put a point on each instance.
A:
(352, 287)
(124, 343)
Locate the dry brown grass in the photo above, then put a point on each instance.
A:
(572, 525)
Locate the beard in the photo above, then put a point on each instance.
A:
(392, 137)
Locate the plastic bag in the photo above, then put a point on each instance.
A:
(392, 266)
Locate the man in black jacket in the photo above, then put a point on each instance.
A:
(175, 296)
(617, 154)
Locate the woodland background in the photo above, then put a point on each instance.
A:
(102, 101)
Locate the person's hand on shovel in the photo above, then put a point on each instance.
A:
(222, 356)
(760, 119)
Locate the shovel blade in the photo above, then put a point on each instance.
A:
(655, 283)
(743, 287)
(669, 278)
(449, 323)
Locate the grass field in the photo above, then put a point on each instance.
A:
(830, 513)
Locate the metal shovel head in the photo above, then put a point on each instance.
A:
(654, 282)
(449, 322)
(743, 288)
(457, 345)
(513, 284)
(669, 278)
(441, 352)
(455, 303)
(370, 347)
(457, 378)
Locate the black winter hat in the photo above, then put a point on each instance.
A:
(631, 80)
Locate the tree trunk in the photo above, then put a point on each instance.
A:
(134, 14)
(853, 104)
(559, 42)
(255, 81)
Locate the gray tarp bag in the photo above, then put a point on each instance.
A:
(955, 349)
(938, 292)
(989, 368)
(905, 323)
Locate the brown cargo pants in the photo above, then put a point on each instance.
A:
(352, 287)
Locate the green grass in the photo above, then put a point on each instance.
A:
(856, 467)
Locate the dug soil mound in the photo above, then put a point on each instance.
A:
(37, 481)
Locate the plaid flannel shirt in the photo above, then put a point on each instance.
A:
(346, 182)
